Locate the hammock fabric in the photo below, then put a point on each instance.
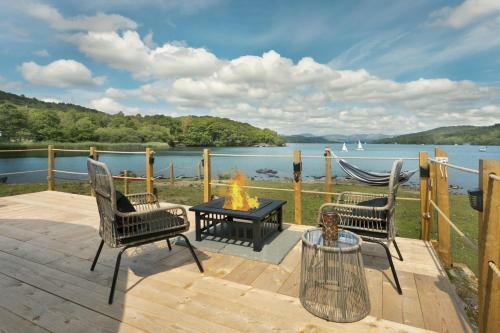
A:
(372, 178)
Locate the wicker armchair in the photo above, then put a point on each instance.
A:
(147, 224)
(371, 216)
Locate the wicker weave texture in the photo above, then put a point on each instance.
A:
(372, 222)
(332, 282)
(148, 222)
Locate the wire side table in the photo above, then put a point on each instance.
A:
(332, 278)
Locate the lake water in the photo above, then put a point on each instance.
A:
(186, 160)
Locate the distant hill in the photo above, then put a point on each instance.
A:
(27, 120)
(476, 135)
(333, 138)
(300, 138)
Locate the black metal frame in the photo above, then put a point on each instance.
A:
(227, 224)
(119, 257)
(216, 225)
(389, 258)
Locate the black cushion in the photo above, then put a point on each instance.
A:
(375, 202)
(123, 204)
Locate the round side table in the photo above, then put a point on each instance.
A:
(332, 278)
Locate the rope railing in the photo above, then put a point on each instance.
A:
(120, 152)
(453, 166)
(494, 177)
(302, 191)
(72, 150)
(248, 155)
(494, 268)
(21, 172)
(362, 157)
(459, 232)
(71, 172)
(255, 187)
(129, 178)
(21, 150)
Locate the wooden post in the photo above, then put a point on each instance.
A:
(125, 182)
(199, 170)
(424, 195)
(206, 175)
(328, 174)
(443, 202)
(297, 186)
(50, 168)
(92, 155)
(489, 248)
(149, 170)
(172, 177)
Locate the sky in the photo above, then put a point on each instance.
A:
(320, 67)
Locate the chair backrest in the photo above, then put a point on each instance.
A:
(101, 182)
(394, 181)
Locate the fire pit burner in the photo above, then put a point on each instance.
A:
(253, 226)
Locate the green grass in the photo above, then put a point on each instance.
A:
(191, 193)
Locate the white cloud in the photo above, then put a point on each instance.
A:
(466, 13)
(60, 73)
(128, 52)
(42, 53)
(109, 105)
(98, 22)
(51, 100)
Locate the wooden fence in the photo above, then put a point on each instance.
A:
(434, 202)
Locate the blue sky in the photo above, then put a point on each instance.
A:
(293, 66)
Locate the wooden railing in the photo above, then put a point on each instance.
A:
(434, 201)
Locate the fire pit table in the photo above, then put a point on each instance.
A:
(253, 226)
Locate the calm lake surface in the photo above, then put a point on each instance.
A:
(186, 160)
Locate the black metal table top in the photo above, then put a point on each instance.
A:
(216, 206)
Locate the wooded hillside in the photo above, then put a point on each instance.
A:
(24, 119)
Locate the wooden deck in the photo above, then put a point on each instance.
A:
(47, 241)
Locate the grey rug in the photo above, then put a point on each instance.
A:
(275, 248)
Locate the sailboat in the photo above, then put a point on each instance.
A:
(344, 147)
(360, 146)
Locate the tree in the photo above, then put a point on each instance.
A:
(44, 125)
(13, 123)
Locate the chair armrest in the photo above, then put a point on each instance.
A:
(353, 198)
(348, 210)
(143, 201)
(156, 217)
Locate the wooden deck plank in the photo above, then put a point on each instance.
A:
(53, 313)
(246, 272)
(129, 309)
(12, 323)
(49, 248)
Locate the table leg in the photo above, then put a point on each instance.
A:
(280, 219)
(257, 238)
(198, 226)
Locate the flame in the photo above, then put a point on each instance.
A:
(236, 197)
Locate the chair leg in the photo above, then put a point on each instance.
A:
(115, 275)
(394, 274)
(97, 255)
(192, 252)
(169, 245)
(397, 250)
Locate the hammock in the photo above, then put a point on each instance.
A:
(372, 178)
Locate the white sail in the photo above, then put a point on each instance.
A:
(360, 146)
(344, 147)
